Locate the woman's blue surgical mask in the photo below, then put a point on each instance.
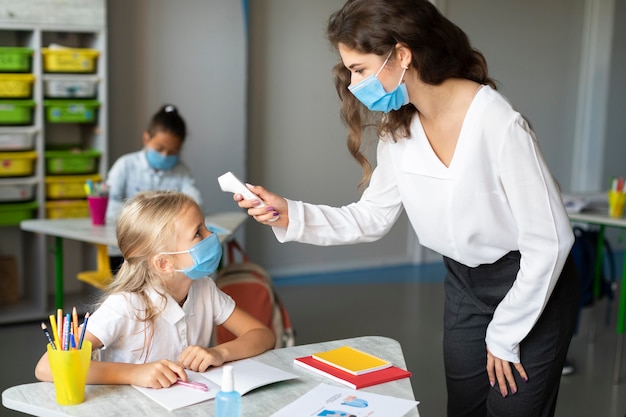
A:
(206, 256)
(160, 161)
(372, 94)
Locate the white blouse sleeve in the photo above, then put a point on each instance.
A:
(544, 239)
(364, 221)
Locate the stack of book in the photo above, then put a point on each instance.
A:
(352, 367)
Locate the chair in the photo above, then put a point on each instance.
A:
(103, 275)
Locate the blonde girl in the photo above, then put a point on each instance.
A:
(156, 318)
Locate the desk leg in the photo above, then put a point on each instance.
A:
(597, 282)
(58, 252)
(621, 325)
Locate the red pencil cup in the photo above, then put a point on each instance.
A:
(97, 208)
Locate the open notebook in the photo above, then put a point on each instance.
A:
(249, 374)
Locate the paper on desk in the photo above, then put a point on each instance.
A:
(575, 203)
(249, 374)
(327, 400)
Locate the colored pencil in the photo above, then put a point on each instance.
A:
(47, 333)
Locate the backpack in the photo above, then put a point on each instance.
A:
(585, 253)
(251, 287)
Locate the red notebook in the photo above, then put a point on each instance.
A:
(353, 381)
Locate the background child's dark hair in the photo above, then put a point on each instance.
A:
(167, 119)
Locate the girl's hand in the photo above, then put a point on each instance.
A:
(500, 371)
(199, 359)
(160, 374)
(276, 206)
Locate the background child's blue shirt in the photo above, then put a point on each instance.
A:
(131, 173)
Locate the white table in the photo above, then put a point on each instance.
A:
(82, 230)
(603, 220)
(123, 400)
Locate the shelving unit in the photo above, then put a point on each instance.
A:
(67, 118)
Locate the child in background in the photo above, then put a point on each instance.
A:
(156, 318)
(156, 167)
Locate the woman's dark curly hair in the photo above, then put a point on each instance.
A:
(440, 50)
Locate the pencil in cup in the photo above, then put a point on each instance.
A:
(69, 373)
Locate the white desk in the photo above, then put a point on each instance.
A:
(82, 230)
(123, 400)
(603, 220)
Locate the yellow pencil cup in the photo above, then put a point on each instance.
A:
(69, 373)
(616, 203)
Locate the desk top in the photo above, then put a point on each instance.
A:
(105, 400)
(82, 229)
(598, 218)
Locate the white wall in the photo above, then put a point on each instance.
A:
(190, 53)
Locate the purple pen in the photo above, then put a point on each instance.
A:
(193, 384)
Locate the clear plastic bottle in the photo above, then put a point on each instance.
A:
(228, 401)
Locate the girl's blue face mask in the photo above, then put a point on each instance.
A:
(372, 94)
(206, 256)
(160, 161)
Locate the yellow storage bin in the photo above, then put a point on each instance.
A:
(17, 164)
(81, 60)
(16, 85)
(66, 209)
(68, 186)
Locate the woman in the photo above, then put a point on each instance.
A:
(466, 168)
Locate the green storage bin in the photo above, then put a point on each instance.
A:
(16, 112)
(15, 59)
(73, 161)
(12, 214)
(71, 111)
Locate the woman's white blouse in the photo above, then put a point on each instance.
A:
(115, 324)
(497, 195)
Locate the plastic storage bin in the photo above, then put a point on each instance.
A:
(81, 60)
(11, 214)
(70, 86)
(71, 111)
(66, 209)
(68, 186)
(72, 161)
(17, 164)
(16, 85)
(16, 112)
(15, 59)
(14, 192)
(17, 140)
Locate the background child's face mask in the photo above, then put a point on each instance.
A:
(160, 161)
(206, 256)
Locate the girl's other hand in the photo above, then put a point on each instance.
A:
(199, 359)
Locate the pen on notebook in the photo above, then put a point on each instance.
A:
(193, 384)
(82, 331)
(47, 333)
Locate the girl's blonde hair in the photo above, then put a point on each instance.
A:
(145, 228)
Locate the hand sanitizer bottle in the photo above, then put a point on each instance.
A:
(228, 401)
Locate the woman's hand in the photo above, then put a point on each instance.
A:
(500, 371)
(199, 359)
(276, 207)
(160, 374)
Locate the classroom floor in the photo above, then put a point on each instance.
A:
(406, 307)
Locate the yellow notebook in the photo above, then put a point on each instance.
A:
(352, 360)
